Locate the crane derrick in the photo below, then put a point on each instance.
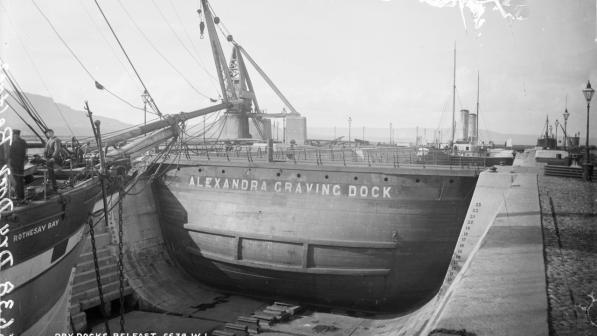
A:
(235, 83)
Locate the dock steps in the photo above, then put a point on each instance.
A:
(566, 171)
(85, 294)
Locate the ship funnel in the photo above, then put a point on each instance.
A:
(463, 125)
(472, 128)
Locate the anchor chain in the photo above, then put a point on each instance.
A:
(95, 125)
(120, 255)
(98, 275)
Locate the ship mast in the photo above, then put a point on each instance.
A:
(476, 142)
(453, 101)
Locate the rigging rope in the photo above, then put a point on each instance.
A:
(26, 123)
(208, 127)
(27, 109)
(219, 23)
(151, 100)
(126, 69)
(178, 38)
(63, 41)
(201, 63)
(101, 87)
(160, 53)
(77, 59)
(24, 101)
(11, 24)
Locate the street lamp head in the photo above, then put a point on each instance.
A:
(588, 92)
(566, 115)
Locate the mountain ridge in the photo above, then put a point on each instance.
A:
(54, 114)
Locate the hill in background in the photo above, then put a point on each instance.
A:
(50, 111)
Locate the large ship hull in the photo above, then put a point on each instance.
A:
(44, 240)
(358, 237)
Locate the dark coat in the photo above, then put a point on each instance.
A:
(18, 154)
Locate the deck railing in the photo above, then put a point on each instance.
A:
(371, 157)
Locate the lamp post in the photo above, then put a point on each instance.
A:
(145, 97)
(390, 134)
(588, 167)
(566, 115)
(557, 125)
(349, 122)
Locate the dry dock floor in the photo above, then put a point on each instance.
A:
(528, 270)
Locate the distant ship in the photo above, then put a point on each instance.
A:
(547, 140)
(466, 149)
(366, 231)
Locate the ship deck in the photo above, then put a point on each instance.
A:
(398, 160)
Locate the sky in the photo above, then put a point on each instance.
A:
(375, 61)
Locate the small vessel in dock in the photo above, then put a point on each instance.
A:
(42, 232)
(41, 236)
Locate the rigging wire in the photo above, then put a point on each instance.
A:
(221, 26)
(178, 37)
(160, 53)
(126, 69)
(58, 109)
(101, 87)
(151, 100)
(459, 100)
(201, 62)
(110, 133)
(26, 123)
(443, 114)
(200, 133)
(26, 104)
(63, 41)
(78, 61)
(184, 29)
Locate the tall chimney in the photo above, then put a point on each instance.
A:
(472, 128)
(463, 127)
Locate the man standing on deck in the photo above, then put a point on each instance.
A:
(52, 154)
(16, 161)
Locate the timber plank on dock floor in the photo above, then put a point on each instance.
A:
(138, 321)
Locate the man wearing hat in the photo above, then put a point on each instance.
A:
(16, 160)
(52, 154)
